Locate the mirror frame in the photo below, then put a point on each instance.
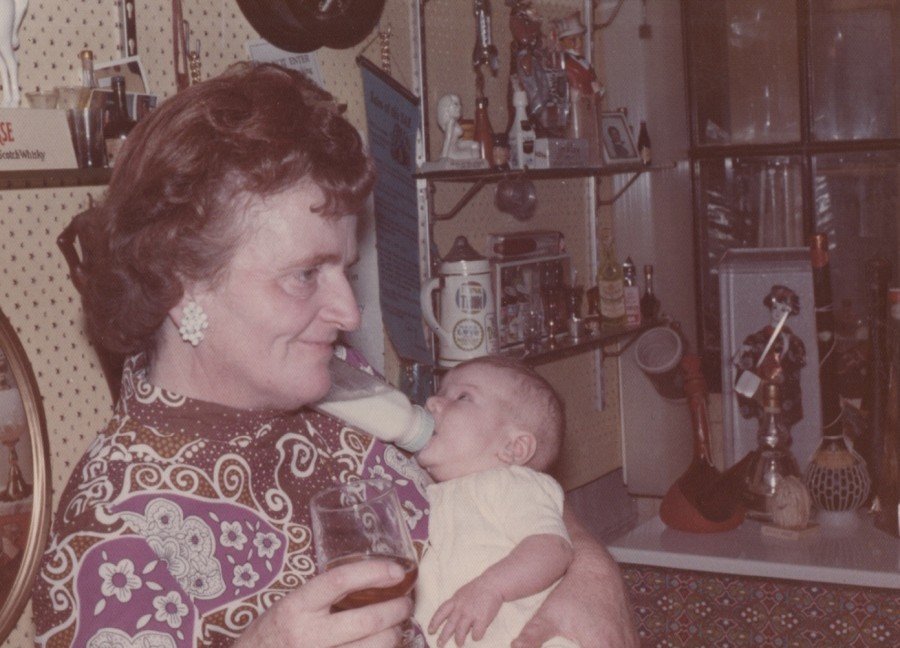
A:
(39, 524)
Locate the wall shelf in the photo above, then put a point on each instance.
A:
(564, 346)
(45, 179)
(479, 178)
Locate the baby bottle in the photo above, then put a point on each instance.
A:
(363, 401)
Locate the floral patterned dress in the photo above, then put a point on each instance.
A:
(184, 521)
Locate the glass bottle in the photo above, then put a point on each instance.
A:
(871, 442)
(88, 80)
(649, 300)
(772, 460)
(643, 144)
(521, 134)
(377, 407)
(836, 477)
(119, 125)
(631, 294)
(887, 513)
(610, 282)
(484, 134)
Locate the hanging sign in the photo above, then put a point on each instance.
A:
(392, 117)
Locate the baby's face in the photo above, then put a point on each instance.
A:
(471, 422)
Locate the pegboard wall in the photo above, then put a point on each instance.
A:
(42, 304)
(593, 441)
(35, 290)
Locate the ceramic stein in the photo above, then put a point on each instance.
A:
(467, 326)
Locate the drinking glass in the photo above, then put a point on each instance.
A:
(363, 520)
(532, 327)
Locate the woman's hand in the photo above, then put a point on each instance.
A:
(589, 606)
(304, 618)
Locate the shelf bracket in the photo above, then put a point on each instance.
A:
(462, 202)
(618, 194)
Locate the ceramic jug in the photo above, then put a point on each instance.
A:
(467, 327)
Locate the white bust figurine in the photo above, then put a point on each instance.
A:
(449, 110)
(11, 14)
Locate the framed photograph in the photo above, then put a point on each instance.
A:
(130, 67)
(618, 143)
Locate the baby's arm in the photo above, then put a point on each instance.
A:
(532, 566)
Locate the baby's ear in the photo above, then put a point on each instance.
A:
(519, 449)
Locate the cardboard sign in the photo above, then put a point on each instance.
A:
(35, 138)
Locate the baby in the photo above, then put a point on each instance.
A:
(497, 542)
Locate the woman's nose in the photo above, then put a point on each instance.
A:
(342, 308)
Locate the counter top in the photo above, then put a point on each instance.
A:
(849, 552)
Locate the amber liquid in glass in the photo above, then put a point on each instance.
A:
(371, 595)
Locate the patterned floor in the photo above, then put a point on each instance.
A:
(675, 608)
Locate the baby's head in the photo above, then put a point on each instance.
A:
(491, 412)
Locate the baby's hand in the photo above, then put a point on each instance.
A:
(470, 610)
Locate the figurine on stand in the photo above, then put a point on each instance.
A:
(585, 91)
(449, 110)
(11, 14)
(579, 71)
(780, 363)
(537, 71)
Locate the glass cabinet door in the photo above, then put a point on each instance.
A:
(795, 119)
(854, 58)
(742, 202)
(744, 71)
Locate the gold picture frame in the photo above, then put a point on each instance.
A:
(25, 507)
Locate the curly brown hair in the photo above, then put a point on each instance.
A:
(174, 209)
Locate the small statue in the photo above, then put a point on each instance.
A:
(449, 110)
(579, 71)
(782, 363)
(11, 14)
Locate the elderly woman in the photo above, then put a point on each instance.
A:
(218, 265)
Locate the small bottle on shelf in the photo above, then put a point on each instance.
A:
(484, 134)
(610, 282)
(643, 144)
(88, 80)
(631, 294)
(649, 300)
(119, 125)
(521, 134)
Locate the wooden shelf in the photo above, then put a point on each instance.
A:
(494, 175)
(564, 346)
(44, 179)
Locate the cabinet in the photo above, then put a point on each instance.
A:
(793, 130)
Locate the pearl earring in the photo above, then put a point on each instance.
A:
(193, 322)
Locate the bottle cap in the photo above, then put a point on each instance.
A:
(423, 429)
(893, 299)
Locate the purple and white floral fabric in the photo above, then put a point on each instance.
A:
(185, 520)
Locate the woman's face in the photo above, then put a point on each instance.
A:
(274, 318)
